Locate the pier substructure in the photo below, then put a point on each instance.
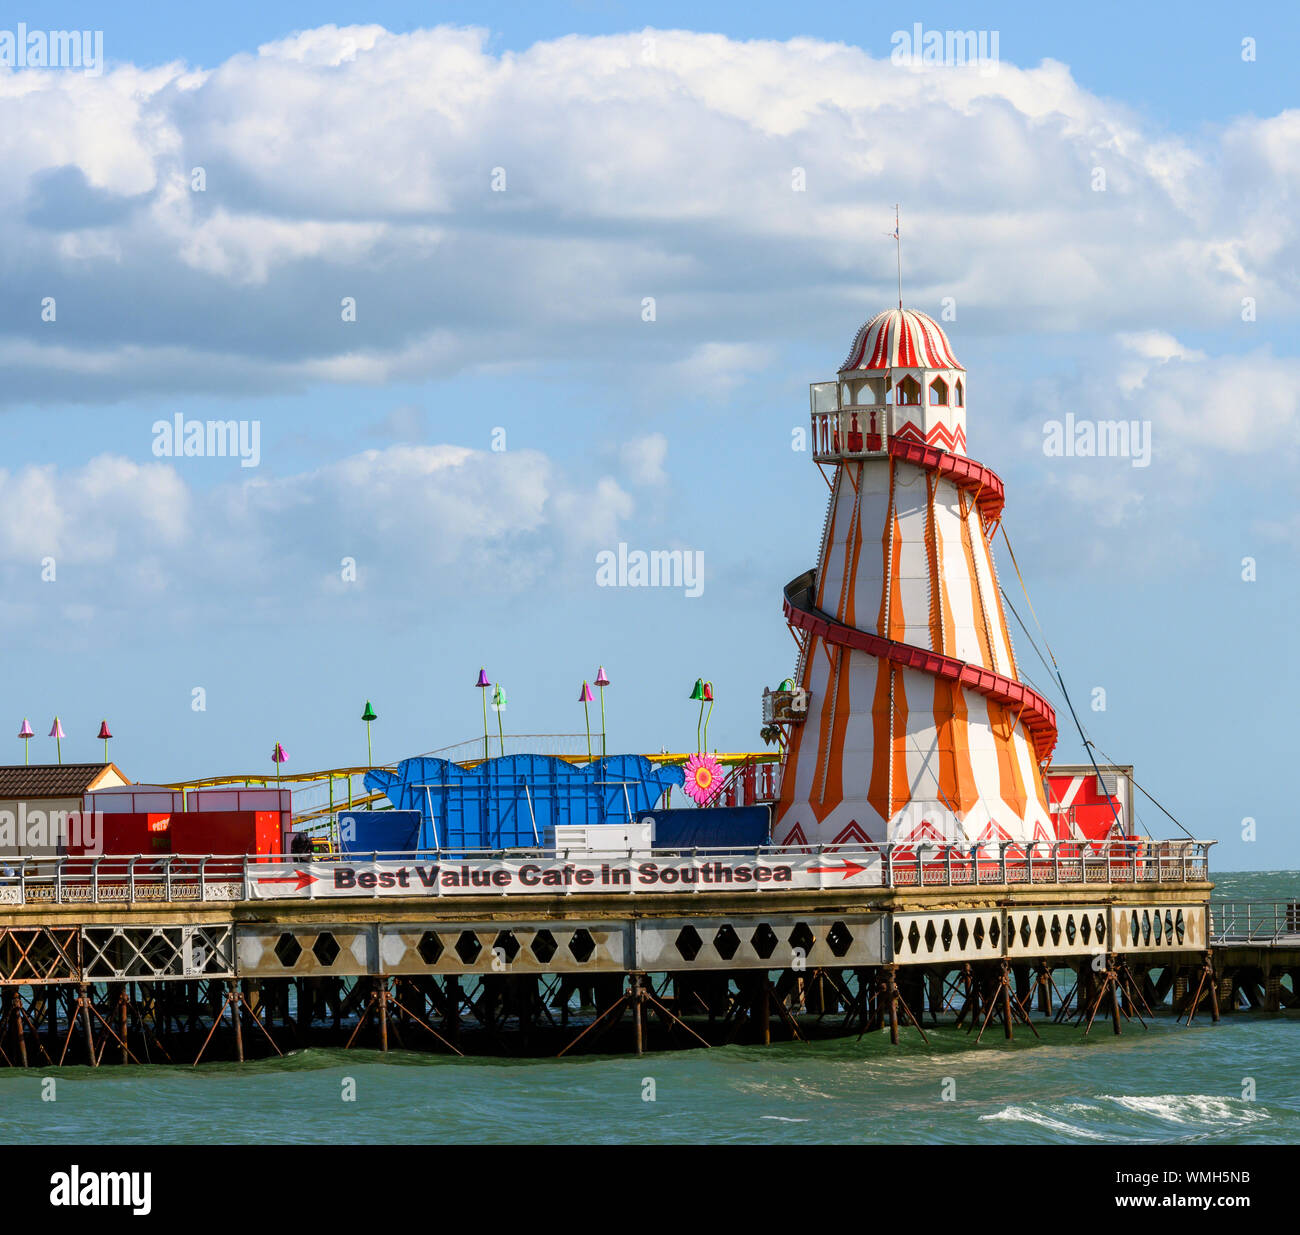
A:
(137, 983)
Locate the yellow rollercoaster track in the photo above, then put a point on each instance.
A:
(730, 759)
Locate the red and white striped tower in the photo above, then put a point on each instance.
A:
(917, 726)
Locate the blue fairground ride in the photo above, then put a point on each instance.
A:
(516, 801)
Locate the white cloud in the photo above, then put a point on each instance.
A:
(1223, 436)
(716, 369)
(355, 162)
(87, 517)
(419, 522)
(643, 459)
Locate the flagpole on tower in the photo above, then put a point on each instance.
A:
(898, 248)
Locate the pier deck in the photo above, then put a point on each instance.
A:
(106, 962)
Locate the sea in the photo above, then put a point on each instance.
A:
(1237, 1082)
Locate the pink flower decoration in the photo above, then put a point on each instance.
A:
(704, 778)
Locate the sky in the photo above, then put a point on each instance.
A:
(492, 289)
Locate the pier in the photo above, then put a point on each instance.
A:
(186, 959)
(1257, 954)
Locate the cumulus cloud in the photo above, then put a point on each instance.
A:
(384, 527)
(643, 459)
(356, 163)
(1211, 439)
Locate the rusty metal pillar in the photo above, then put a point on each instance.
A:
(1004, 980)
(637, 1028)
(934, 980)
(891, 995)
(16, 1004)
(383, 1013)
(83, 1003)
(237, 1017)
(1112, 979)
(452, 995)
(123, 1000)
(1044, 988)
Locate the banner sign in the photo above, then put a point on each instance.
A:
(554, 876)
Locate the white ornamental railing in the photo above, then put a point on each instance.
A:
(852, 432)
(191, 878)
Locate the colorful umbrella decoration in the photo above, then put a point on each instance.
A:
(697, 694)
(104, 735)
(483, 684)
(369, 715)
(56, 732)
(704, 778)
(585, 697)
(279, 756)
(601, 682)
(499, 706)
(26, 733)
(708, 698)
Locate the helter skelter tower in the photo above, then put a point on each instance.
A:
(917, 728)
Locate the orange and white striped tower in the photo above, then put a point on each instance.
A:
(917, 727)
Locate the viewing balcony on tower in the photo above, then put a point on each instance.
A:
(845, 429)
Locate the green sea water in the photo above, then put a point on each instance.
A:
(1235, 1082)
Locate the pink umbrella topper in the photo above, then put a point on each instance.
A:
(586, 696)
(26, 731)
(279, 754)
(601, 679)
(703, 777)
(56, 729)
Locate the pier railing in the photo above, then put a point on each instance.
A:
(1267, 922)
(191, 878)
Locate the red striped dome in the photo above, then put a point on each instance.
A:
(902, 339)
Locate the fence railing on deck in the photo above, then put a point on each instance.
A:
(1255, 921)
(189, 878)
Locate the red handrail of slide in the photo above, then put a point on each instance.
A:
(967, 474)
(1038, 715)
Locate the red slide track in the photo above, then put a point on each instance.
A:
(1026, 704)
(965, 473)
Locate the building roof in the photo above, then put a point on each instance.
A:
(901, 339)
(55, 780)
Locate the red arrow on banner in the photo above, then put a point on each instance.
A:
(299, 880)
(849, 868)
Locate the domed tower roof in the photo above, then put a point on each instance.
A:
(901, 339)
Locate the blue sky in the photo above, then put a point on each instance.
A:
(639, 163)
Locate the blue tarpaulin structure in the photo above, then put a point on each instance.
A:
(379, 831)
(711, 827)
(510, 802)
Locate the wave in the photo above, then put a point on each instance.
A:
(1154, 1117)
(1044, 1118)
(1190, 1109)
